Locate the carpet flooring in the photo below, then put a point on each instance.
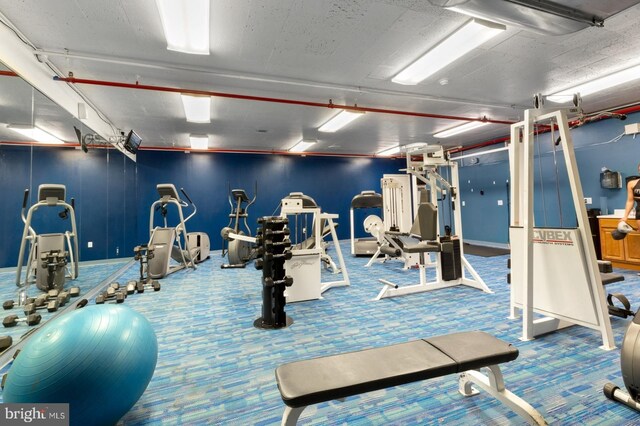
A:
(214, 367)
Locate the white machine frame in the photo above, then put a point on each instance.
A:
(553, 270)
(397, 215)
(425, 171)
(308, 283)
(29, 235)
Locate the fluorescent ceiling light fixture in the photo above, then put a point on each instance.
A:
(389, 151)
(199, 141)
(35, 133)
(186, 25)
(471, 35)
(302, 146)
(597, 85)
(459, 129)
(340, 120)
(197, 108)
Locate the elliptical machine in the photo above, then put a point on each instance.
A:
(630, 366)
(52, 257)
(168, 242)
(238, 249)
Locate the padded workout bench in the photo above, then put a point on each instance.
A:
(317, 380)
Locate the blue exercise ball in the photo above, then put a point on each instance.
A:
(98, 359)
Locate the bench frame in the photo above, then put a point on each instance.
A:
(492, 383)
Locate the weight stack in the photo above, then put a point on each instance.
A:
(451, 263)
(274, 247)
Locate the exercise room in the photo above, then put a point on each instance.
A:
(314, 212)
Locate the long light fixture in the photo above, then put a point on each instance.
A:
(35, 133)
(302, 146)
(389, 152)
(199, 141)
(465, 39)
(459, 129)
(340, 120)
(597, 85)
(197, 108)
(186, 25)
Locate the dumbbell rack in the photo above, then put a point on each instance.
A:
(273, 249)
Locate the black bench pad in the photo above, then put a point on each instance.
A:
(327, 378)
(610, 277)
(422, 247)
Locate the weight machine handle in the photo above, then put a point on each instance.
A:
(26, 197)
(186, 196)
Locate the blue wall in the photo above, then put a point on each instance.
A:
(113, 194)
(484, 220)
(331, 181)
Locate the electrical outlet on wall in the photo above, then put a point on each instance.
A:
(90, 244)
(632, 129)
(588, 200)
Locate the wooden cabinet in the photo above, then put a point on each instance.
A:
(623, 253)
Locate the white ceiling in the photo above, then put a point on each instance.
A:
(312, 50)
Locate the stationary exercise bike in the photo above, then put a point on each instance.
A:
(630, 366)
(235, 245)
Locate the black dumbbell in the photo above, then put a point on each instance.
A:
(270, 256)
(270, 232)
(63, 298)
(259, 264)
(82, 303)
(140, 286)
(130, 288)
(5, 343)
(13, 320)
(51, 306)
(270, 282)
(10, 304)
(39, 301)
(273, 220)
(106, 296)
(269, 244)
(112, 291)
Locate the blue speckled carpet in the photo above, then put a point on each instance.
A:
(214, 367)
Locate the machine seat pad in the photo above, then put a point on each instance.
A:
(610, 277)
(316, 380)
(422, 247)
